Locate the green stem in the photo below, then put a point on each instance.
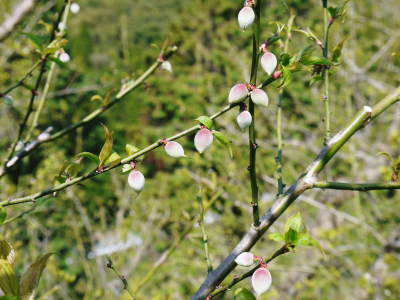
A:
(357, 186)
(325, 74)
(252, 130)
(49, 76)
(121, 277)
(204, 234)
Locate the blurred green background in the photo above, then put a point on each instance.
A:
(111, 41)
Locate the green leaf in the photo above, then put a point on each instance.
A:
(277, 237)
(7, 251)
(54, 46)
(306, 51)
(337, 51)
(38, 40)
(8, 298)
(31, 277)
(291, 236)
(206, 121)
(294, 222)
(287, 77)
(130, 149)
(8, 100)
(73, 169)
(243, 294)
(304, 239)
(113, 159)
(8, 279)
(387, 155)
(3, 214)
(315, 60)
(224, 140)
(57, 61)
(285, 59)
(91, 156)
(106, 150)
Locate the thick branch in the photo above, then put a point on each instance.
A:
(16, 17)
(357, 186)
(304, 182)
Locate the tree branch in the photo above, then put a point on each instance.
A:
(357, 186)
(16, 17)
(32, 198)
(303, 183)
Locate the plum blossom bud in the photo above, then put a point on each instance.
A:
(246, 17)
(136, 180)
(75, 8)
(276, 74)
(244, 119)
(259, 97)
(261, 280)
(61, 26)
(237, 93)
(245, 259)
(174, 149)
(64, 57)
(166, 65)
(203, 139)
(269, 62)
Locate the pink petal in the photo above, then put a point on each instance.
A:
(203, 139)
(136, 180)
(261, 280)
(237, 93)
(259, 97)
(244, 119)
(269, 62)
(245, 259)
(246, 17)
(174, 149)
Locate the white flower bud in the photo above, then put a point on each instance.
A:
(64, 57)
(269, 62)
(75, 8)
(136, 180)
(245, 259)
(246, 17)
(244, 119)
(237, 93)
(166, 65)
(259, 97)
(261, 280)
(203, 139)
(174, 149)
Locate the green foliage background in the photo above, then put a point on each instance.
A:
(110, 41)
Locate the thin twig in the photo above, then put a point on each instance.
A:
(325, 73)
(32, 198)
(363, 187)
(204, 232)
(252, 130)
(110, 265)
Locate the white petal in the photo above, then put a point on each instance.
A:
(261, 280)
(259, 97)
(75, 8)
(237, 93)
(174, 149)
(136, 180)
(245, 259)
(64, 57)
(166, 65)
(244, 119)
(246, 17)
(269, 62)
(203, 139)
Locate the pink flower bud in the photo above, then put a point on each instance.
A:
(276, 74)
(203, 139)
(136, 180)
(259, 97)
(166, 65)
(174, 149)
(245, 259)
(261, 280)
(237, 93)
(246, 17)
(244, 119)
(269, 62)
